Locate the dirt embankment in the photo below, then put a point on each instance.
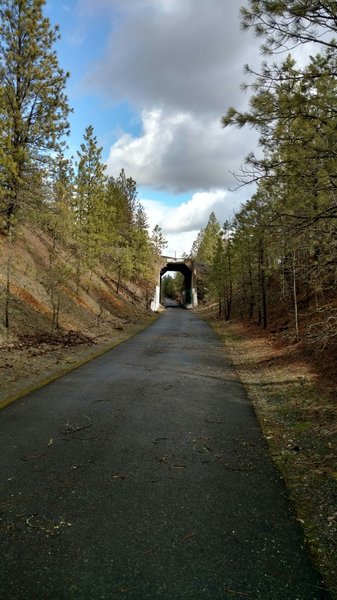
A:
(294, 397)
(91, 316)
(35, 360)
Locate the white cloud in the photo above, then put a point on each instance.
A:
(182, 223)
(179, 65)
(180, 152)
(180, 243)
(192, 215)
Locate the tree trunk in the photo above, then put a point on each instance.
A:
(252, 295)
(147, 295)
(229, 294)
(118, 280)
(58, 312)
(8, 272)
(262, 276)
(295, 296)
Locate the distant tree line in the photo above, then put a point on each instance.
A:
(280, 250)
(173, 286)
(96, 219)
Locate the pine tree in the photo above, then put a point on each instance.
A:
(287, 23)
(217, 273)
(207, 241)
(57, 219)
(89, 203)
(34, 110)
(34, 107)
(202, 252)
(141, 245)
(158, 240)
(125, 202)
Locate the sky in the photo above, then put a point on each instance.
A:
(154, 78)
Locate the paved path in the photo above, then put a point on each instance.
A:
(143, 475)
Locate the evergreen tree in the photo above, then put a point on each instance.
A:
(89, 203)
(158, 240)
(173, 285)
(204, 247)
(202, 252)
(141, 246)
(287, 23)
(34, 108)
(125, 201)
(217, 273)
(57, 220)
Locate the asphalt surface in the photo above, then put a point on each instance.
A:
(143, 475)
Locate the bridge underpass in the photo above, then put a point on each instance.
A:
(185, 266)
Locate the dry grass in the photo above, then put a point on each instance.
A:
(93, 304)
(34, 359)
(91, 315)
(298, 416)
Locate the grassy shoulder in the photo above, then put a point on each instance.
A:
(299, 421)
(40, 359)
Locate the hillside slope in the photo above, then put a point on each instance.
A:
(95, 307)
(90, 318)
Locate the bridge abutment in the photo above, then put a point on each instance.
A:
(189, 297)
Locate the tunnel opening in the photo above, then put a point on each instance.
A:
(182, 291)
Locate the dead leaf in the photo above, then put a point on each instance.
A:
(32, 456)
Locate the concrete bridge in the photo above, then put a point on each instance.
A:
(187, 268)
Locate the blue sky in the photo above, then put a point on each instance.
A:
(82, 43)
(154, 77)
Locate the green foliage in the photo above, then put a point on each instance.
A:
(123, 190)
(285, 23)
(110, 224)
(89, 203)
(34, 107)
(33, 112)
(220, 274)
(205, 244)
(282, 245)
(173, 285)
(93, 222)
(202, 252)
(158, 240)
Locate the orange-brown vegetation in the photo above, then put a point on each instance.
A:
(93, 308)
(77, 299)
(30, 300)
(90, 318)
